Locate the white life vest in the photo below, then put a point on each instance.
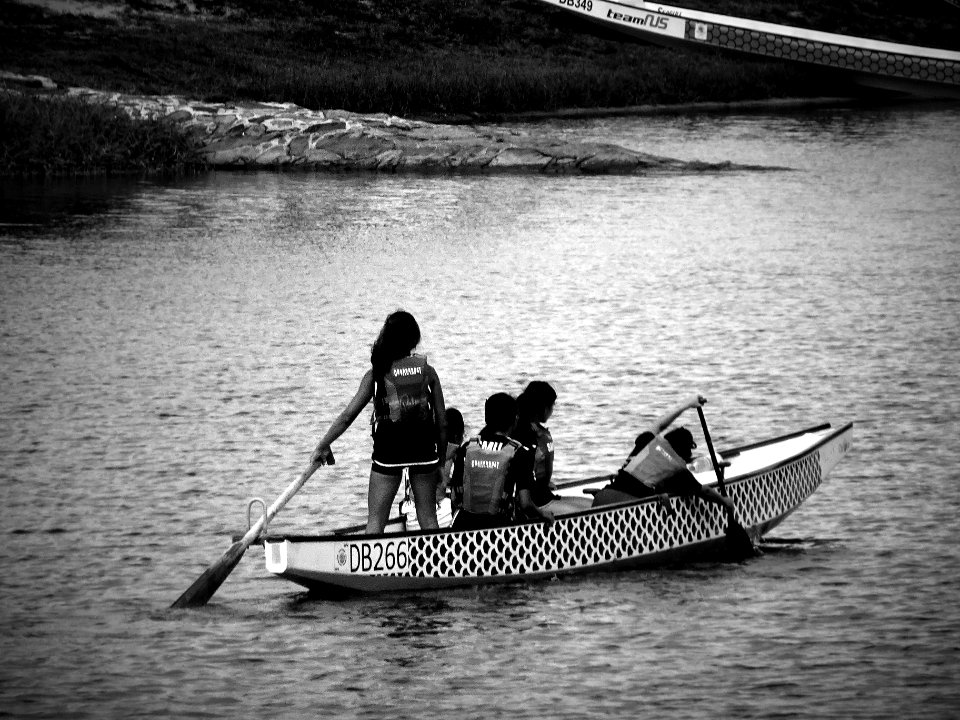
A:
(654, 463)
(405, 391)
(485, 465)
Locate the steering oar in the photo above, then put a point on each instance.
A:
(737, 537)
(212, 578)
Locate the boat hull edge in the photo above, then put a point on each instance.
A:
(639, 534)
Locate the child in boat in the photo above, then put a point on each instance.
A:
(455, 434)
(535, 407)
(409, 421)
(658, 464)
(492, 469)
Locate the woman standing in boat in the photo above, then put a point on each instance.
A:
(408, 422)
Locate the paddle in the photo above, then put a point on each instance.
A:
(737, 536)
(212, 578)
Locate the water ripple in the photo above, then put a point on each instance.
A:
(172, 349)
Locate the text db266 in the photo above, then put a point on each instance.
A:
(376, 556)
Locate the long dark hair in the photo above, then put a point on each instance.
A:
(455, 427)
(400, 334)
(535, 399)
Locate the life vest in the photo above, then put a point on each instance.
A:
(654, 463)
(404, 393)
(543, 452)
(485, 465)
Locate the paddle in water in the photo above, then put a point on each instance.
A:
(738, 539)
(212, 578)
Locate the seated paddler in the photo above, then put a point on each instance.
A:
(492, 472)
(658, 464)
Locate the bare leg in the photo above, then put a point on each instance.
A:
(382, 491)
(425, 498)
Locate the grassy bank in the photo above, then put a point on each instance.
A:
(425, 57)
(63, 136)
(433, 59)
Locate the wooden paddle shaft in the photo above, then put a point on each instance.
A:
(292, 489)
(713, 454)
(212, 578)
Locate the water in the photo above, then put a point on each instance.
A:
(170, 350)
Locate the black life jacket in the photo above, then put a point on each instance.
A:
(404, 392)
(543, 453)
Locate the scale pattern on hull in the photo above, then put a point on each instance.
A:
(618, 534)
(777, 492)
(874, 62)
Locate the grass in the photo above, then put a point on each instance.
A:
(430, 59)
(66, 136)
(422, 58)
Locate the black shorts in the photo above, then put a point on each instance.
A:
(400, 445)
(397, 470)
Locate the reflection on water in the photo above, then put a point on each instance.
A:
(60, 202)
(171, 349)
(420, 618)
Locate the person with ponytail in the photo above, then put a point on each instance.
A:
(409, 431)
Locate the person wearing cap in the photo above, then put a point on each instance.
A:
(658, 464)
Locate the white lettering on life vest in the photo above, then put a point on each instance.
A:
(490, 464)
(402, 372)
(664, 453)
(490, 446)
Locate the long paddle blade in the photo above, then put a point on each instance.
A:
(212, 578)
(739, 541)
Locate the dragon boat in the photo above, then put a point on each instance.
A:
(910, 69)
(767, 481)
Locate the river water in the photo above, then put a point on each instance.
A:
(170, 350)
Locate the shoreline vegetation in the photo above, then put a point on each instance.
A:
(449, 61)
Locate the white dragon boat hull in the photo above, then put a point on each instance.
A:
(767, 481)
(911, 69)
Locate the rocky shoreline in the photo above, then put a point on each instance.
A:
(285, 136)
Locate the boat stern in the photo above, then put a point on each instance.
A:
(275, 553)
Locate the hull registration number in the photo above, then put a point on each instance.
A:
(372, 557)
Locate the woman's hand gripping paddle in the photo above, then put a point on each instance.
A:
(738, 539)
(212, 578)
